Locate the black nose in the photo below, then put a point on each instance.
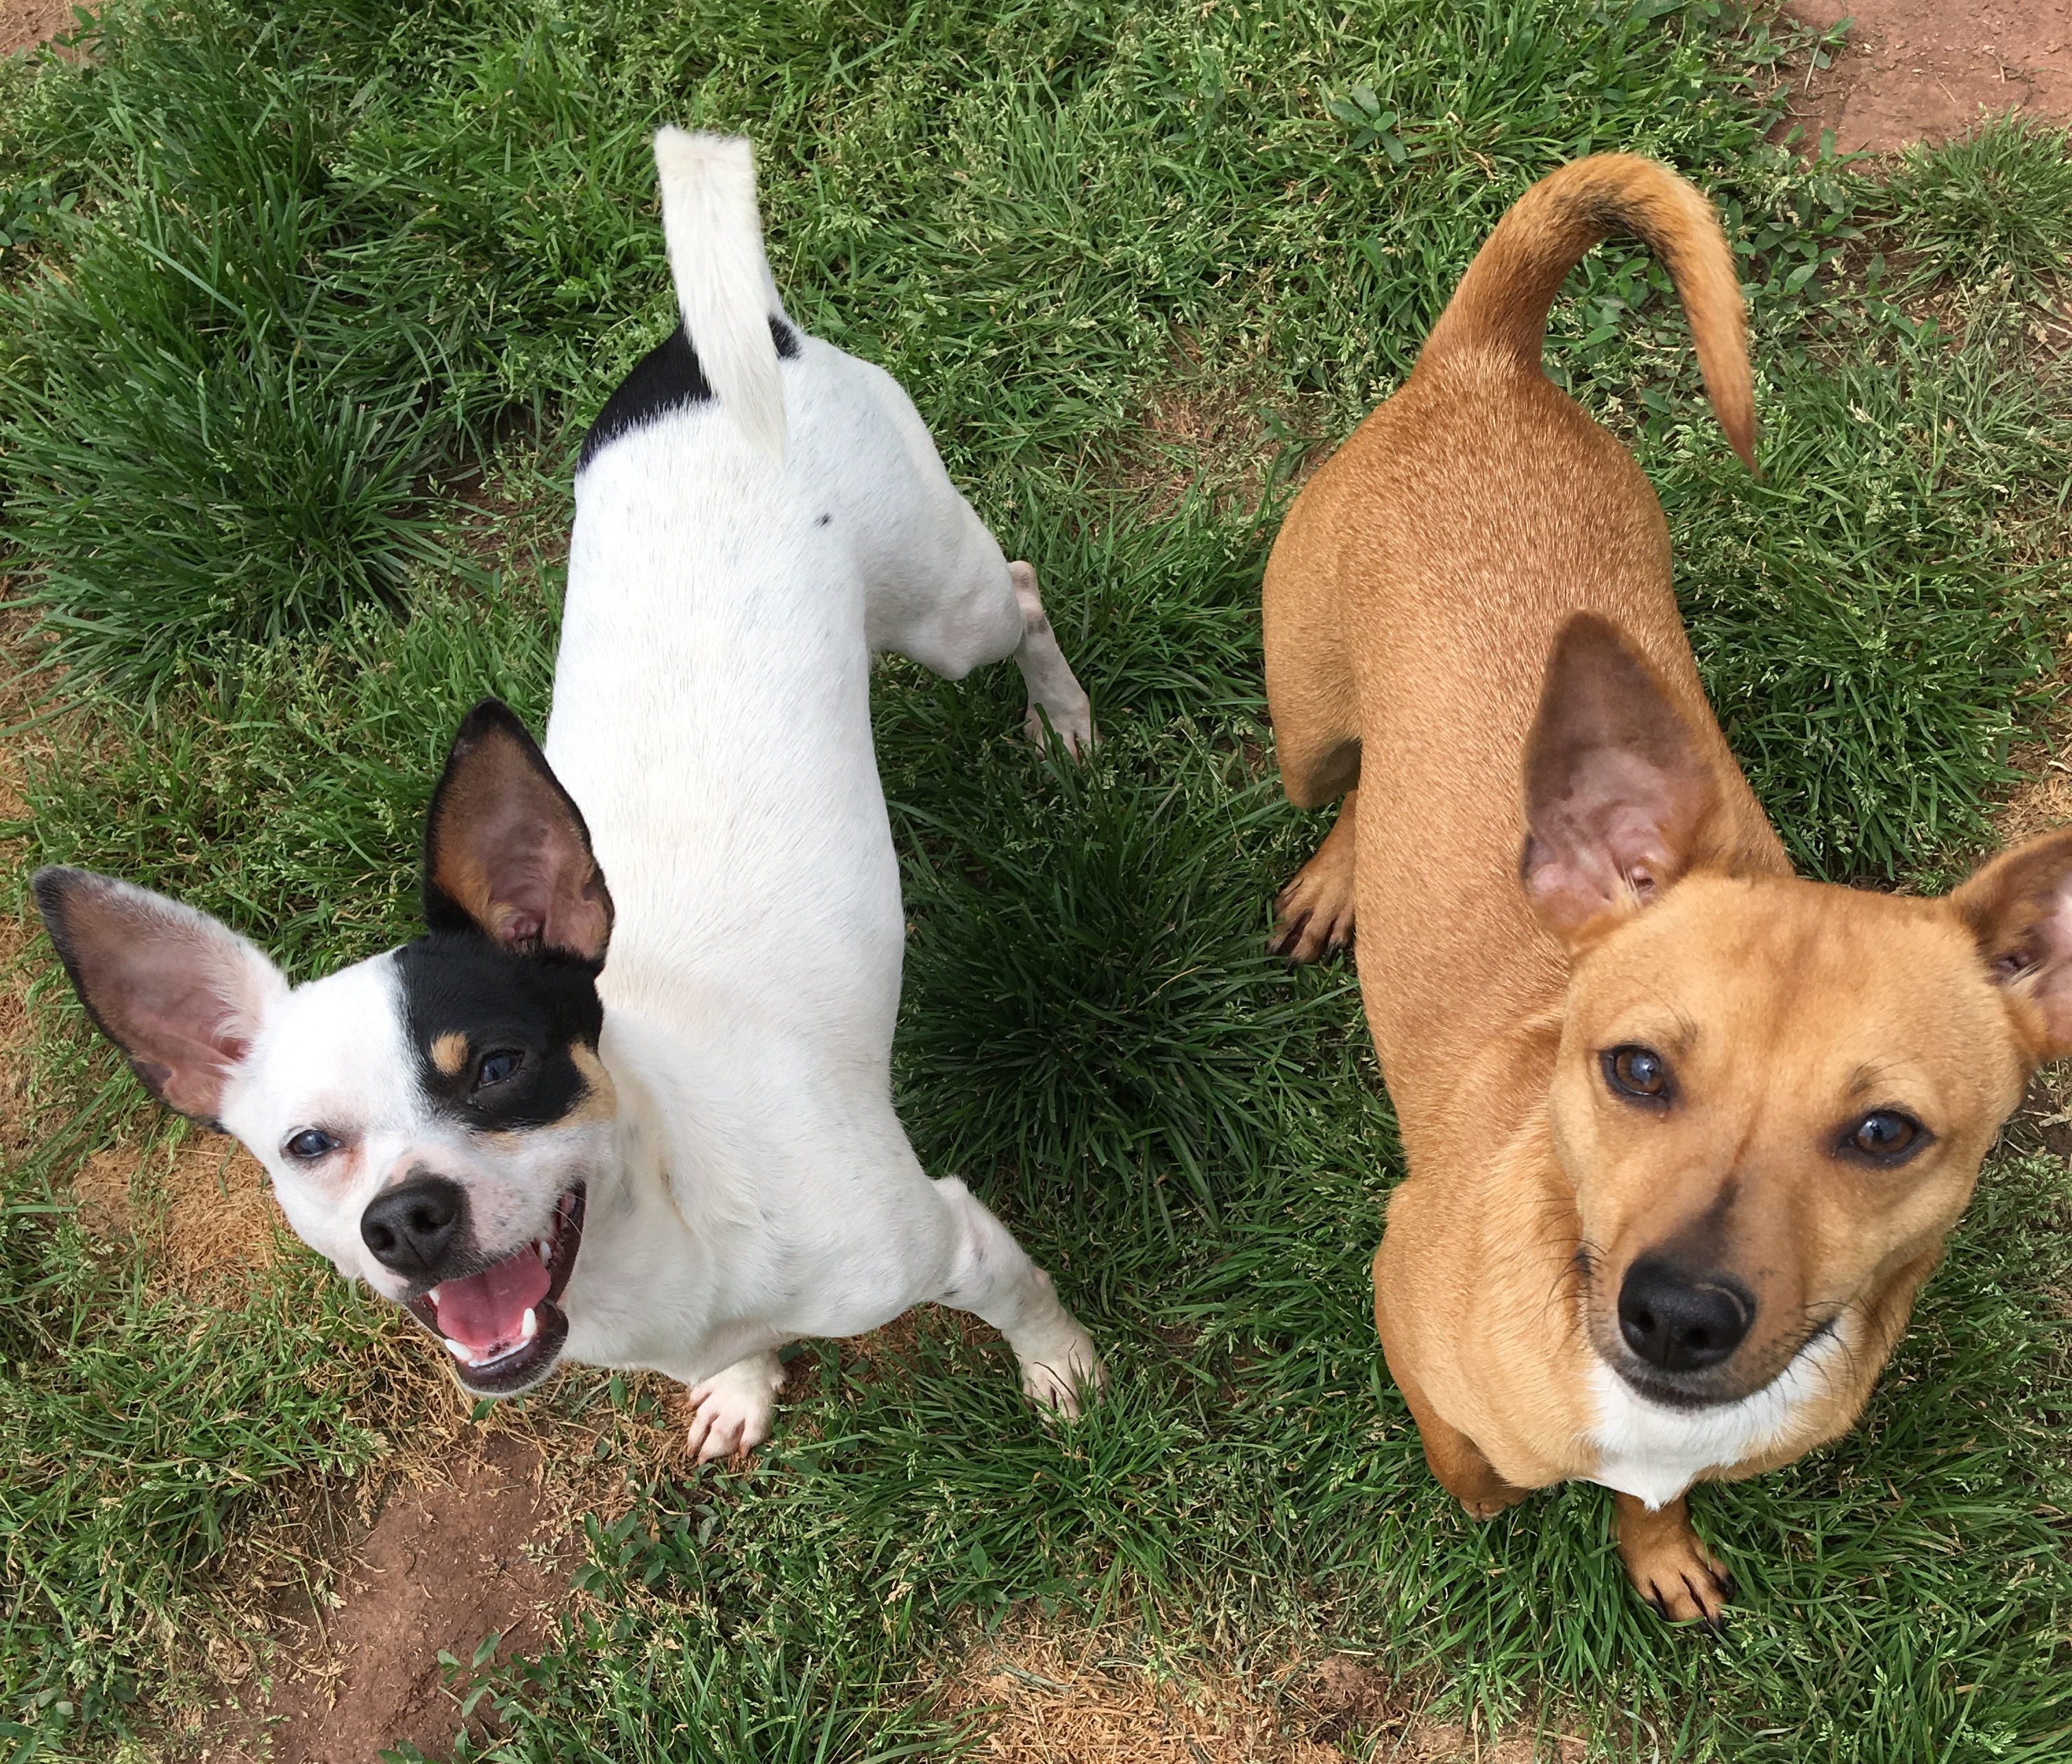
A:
(411, 1227)
(1681, 1321)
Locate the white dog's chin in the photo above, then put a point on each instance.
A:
(503, 1326)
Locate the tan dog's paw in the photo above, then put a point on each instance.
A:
(736, 1407)
(1312, 916)
(1669, 1565)
(1485, 1508)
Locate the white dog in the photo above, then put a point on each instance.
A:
(686, 1156)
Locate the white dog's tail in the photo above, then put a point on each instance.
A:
(723, 284)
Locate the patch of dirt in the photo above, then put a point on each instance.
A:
(1217, 439)
(204, 1212)
(1037, 1697)
(1924, 70)
(2043, 1123)
(24, 23)
(443, 1568)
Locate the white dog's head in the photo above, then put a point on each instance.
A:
(432, 1117)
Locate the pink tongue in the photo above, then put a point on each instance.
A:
(488, 1310)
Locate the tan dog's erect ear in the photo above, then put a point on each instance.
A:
(181, 995)
(506, 850)
(1617, 791)
(2018, 908)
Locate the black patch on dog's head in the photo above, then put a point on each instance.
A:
(667, 378)
(467, 1002)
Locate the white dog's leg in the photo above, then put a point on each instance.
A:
(1054, 688)
(993, 1279)
(736, 1406)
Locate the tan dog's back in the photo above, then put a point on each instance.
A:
(1413, 596)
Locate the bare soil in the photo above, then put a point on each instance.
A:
(1924, 70)
(24, 23)
(444, 1569)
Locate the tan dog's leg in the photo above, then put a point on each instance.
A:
(1312, 916)
(1668, 1563)
(1454, 1459)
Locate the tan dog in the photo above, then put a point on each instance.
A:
(1685, 1133)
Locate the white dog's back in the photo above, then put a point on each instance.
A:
(758, 514)
(712, 694)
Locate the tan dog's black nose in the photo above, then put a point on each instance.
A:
(410, 1229)
(1680, 1322)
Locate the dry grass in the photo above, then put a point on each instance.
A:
(17, 1037)
(201, 1211)
(2042, 801)
(1216, 437)
(1041, 1694)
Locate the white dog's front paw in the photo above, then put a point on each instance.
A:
(1055, 690)
(1061, 1382)
(735, 1407)
(1074, 723)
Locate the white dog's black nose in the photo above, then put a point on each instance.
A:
(411, 1228)
(1681, 1321)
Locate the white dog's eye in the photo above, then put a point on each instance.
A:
(310, 1143)
(497, 1067)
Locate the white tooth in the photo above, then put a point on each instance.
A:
(531, 1327)
(433, 1296)
(464, 1356)
(546, 1252)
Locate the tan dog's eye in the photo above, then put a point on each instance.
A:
(1886, 1136)
(1638, 1072)
(498, 1067)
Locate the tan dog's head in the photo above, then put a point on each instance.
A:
(1772, 1095)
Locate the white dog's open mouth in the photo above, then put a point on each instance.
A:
(503, 1326)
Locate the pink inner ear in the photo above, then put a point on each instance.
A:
(181, 995)
(1604, 845)
(540, 876)
(508, 848)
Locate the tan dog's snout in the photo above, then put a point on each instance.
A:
(1708, 1310)
(1679, 1319)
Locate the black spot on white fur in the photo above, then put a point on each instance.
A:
(539, 1006)
(668, 377)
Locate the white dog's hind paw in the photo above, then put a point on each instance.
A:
(736, 1407)
(1061, 1382)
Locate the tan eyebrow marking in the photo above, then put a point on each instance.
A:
(599, 1101)
(450, 1053)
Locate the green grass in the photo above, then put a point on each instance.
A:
(278, 278)
(1995, 206)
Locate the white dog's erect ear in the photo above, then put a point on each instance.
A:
(1617, 792)
(506, 850)
(2018, 906)
(181, 995)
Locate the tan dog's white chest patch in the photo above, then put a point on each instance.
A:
(1653, 1453)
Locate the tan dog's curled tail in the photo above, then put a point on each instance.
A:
(1503, 300)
